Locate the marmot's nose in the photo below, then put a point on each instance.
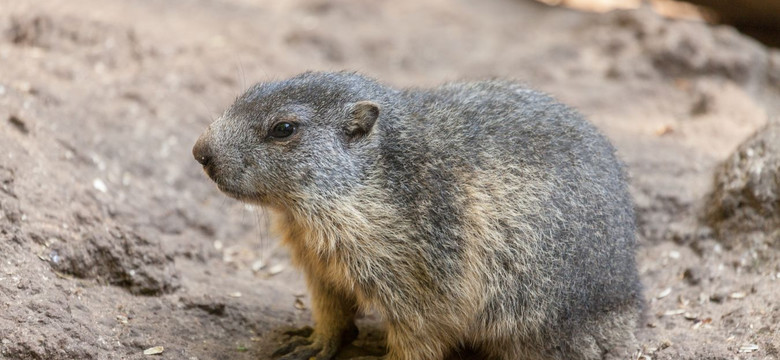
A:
(202, 152)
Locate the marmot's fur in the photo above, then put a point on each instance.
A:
(481, 215)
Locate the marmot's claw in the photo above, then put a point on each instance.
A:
(304, 353)
(315, 351)
(291, 344)
(303, 344)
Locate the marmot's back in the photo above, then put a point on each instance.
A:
(534, 174)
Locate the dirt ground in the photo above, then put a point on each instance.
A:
(112, 241)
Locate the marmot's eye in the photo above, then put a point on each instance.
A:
(282, 130)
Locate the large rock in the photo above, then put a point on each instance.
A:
(118, 257)
(746, 198)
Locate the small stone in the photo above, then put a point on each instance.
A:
(748, 348)
(664, 293)
(154, 350)
(737, 295)
(299, 304)
(258, 265)
(99, 185)
(276, 269)
(673, 312)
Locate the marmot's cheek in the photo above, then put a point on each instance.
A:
(214, 168)
(211, 171)
(300, 177)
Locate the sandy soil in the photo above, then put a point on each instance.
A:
(112, 241)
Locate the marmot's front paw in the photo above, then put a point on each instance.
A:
(304, 344)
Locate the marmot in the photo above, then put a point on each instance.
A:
(478, 215)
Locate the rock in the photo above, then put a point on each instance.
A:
(206, 303)
(121, 258)
(746, 197)
(678, 50)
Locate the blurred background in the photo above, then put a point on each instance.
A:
(757, 18)
(113, 242)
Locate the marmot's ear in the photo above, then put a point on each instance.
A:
(362, 116)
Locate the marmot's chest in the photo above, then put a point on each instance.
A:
(322, 265)
(336, 256)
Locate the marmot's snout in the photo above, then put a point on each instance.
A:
(204, 154)
(219, 167)
(201, 151)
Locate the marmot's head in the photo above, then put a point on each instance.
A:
(301, 140)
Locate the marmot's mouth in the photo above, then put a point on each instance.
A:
(231, 191)
(215, 176)
(240, 195)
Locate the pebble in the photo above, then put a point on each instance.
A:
(154, 350)
(258, 265)
(99, 185)
(664, 293)
(276, 269)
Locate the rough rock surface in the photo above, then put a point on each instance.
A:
(746, 196)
